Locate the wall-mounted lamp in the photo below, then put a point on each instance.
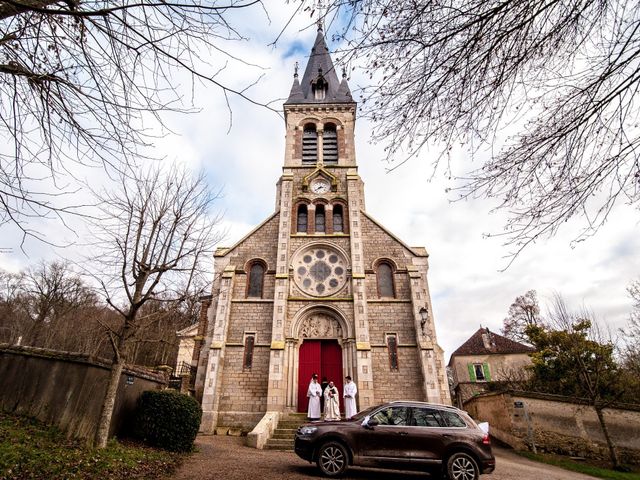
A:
(424, 316)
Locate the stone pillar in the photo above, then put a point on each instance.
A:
(215, 360)
(363, 373)
(278, 361)
(292, 372)
(320, 146)
(436, 388)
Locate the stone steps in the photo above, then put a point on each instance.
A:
(283, 436)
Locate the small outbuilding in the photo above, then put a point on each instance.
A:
(486, 357)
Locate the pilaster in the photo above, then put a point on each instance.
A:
(215, 358)
(434, 376)
(363, 362)
(279, 363)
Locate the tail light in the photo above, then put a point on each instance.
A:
(486, 439)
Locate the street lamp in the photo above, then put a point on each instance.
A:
(424, 315)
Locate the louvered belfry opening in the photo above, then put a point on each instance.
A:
(309, 144)
(330, 144)
(320, 219)
(337, 218)
(302, 219)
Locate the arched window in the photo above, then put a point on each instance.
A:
(330, 144)
(337, 219)
(256, 280)
(309, 144)
(302, 219)
(320, 217)
(384, 275)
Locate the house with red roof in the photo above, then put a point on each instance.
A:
(486, 357)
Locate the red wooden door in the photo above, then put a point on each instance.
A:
(331, 366)
(323, 357)
(308, 364)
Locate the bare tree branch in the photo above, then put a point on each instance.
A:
(80, 82)
(550, 87)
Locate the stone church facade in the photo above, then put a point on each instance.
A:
(319, 286)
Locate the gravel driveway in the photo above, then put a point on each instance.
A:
(227, 458)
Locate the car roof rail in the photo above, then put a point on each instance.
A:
(430, 404)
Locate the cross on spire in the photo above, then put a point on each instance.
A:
(319, 7)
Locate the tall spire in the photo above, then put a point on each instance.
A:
(320, 82)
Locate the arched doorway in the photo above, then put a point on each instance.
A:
(323, 357)
(322, 334)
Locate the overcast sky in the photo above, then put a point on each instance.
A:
(468, 286)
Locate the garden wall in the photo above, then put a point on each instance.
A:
(558, 424)
(67, 389)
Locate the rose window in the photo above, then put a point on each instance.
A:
(320, 271)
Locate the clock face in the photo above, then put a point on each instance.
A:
(320, 186)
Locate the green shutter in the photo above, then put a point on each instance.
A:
(472, 372)
(485, 369)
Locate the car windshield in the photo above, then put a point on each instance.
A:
(360, 415)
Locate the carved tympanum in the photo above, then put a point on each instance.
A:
(320, 325)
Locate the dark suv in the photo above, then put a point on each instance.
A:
(400, 435)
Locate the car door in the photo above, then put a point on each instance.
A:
(427, 435)
(389, 440)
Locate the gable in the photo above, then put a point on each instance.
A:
(378, 242)
(261, 242)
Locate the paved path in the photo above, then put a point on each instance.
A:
(227, 458)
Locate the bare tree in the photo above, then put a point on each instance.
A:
(11, 315)
(154, 239)
(81, 81)
(551, 87)
(523, 312)
(50, 306)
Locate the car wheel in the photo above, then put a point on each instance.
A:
(462, 466)
(332, 459)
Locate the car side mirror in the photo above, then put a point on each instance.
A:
(372, 422)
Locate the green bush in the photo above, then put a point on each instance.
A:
(167, 419)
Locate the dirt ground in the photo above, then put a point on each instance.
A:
(227, 458)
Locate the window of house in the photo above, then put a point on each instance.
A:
(320, 219)
(384, 275)
(479, 372)
(302, 219)
(337, 218)
(309, 144)
(330, 144)
(249, 343)
(256, 280)
(392, 347)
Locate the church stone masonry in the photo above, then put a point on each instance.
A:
(319, 286)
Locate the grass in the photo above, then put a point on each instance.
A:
(32, 450)
(581, 467)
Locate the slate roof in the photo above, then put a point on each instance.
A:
(497, 344)
(319, 63)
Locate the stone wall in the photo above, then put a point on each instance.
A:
(558, 424)
(66, 389)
